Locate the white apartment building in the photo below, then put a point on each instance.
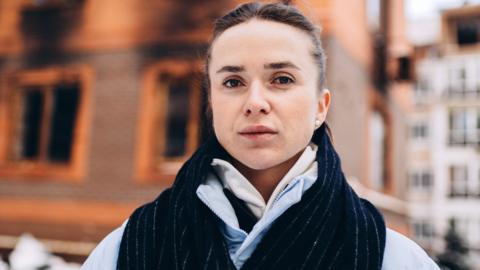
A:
(444, 137)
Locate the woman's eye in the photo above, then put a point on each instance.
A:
(232, 83)
(283, 80)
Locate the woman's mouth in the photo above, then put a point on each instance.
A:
(258, 132)
(259, 136)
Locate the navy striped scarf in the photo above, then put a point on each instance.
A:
(330, 228)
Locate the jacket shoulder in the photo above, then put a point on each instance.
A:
(403, 253)
(105, 255)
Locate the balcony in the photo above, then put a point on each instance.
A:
(462, 93)
(464, 137)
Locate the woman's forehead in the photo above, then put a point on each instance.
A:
(262, 42)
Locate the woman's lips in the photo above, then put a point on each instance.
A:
(258, 136)
(257, 129)
(258, 132)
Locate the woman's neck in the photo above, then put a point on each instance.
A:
(266, 180)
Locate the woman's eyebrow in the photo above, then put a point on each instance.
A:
(280, 65)
(234, 69)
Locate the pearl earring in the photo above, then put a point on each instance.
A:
(317, 123)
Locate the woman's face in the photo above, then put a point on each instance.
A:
(264, 92)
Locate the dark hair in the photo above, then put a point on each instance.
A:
(276, 12)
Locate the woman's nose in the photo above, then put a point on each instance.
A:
(256, 102)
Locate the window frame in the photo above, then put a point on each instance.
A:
(417, 183)
(466, 22)
(463, 133)
(148, 169)
(423, 230)
(419, 131)
(459, 187)
(72, 171)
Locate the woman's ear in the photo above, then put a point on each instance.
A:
(323, 104)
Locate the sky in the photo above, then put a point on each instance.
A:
(422, 9)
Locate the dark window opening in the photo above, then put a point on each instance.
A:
(468, 31)
(45, 129)
(404, 68)
(177, 118)
(31, 124)
(66, 99)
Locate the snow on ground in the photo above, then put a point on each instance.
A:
(31, 254)
(3, 265)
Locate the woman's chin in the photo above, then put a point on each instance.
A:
(259, 162)
(260, 166)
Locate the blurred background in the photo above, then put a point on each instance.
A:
(101, 101)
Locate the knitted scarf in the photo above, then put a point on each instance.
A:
(330, 228)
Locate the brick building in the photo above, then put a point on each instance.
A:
(101, 102)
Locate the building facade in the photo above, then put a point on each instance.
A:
(444, 135)
(102, 101)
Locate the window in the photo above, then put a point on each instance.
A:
(404, 68)
(457, 81)
(173, 98)
(464, 125)
(419, 131)
(459, 181)
(421, 87)
(468, 31)
(171, 113)
(45, 123)
(463, 81)
(421, 180)
(423, 230)
(421, 91)
(45, 119)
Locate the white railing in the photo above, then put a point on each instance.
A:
(465, 137)
(453, 92)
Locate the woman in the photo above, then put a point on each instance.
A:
(267, 191)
